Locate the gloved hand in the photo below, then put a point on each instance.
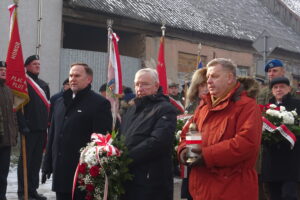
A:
(25, 131)
(183, 157)
(45, 176)
(199, 161)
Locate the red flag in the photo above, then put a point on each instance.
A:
(161, 67)
(15, 77)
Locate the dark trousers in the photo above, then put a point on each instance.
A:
(4, 169)
(283, 190)
(34, 153)
(78, 195)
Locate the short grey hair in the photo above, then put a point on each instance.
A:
(226, 64)
(151, 71)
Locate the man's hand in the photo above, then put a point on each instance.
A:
(183, 157)
(199, 161)
(45, 176)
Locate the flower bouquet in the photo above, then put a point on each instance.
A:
(279, 125)
(103, 168)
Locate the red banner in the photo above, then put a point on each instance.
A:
(161, 67)
(15, 77)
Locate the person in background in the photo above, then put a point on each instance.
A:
(280, 163)
(198, 87)
(33, 124)
(78, 114)
(174, 91)
(126, 100)
(148, 127)
(231, 127)
(102, 89)
(8, 129)
(65, 87)
(274, 69)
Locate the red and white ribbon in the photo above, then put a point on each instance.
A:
(195, 139)
(40, 92)
(104, 144)
(283, 130)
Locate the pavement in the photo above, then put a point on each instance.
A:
(45, 189)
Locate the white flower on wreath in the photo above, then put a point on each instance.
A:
(273, 106)
(90, 157)
(288, 118)
(294, 113)
(282, 109)
(178, 134)
(274, 113)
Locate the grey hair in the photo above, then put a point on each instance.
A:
(226, 64)
(151, 71)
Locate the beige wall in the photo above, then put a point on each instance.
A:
(173, 47)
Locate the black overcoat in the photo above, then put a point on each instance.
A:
(73, 122)
(149, 127)
(279, 161)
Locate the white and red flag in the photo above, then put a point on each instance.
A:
(15, 77)
(114, 76)
(162, 75)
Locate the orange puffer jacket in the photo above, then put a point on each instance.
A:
(231, 133)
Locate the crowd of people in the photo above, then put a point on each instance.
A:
(231, 162)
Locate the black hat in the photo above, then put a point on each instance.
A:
(3, 64)
(66, 81)
(273, 63)
(279, 80)
(103, 87)
(127, 90)
(31, 58)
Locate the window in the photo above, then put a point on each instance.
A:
(242, 71)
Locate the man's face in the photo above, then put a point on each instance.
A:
(218, 80)
(279, 90)
(34, 67)
(145, 85)
(275, 72)
(173, 90)
(78, 78)
(3, 73)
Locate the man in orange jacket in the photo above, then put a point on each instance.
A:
(230, 123)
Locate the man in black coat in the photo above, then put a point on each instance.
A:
(33, 124)
(78, 114)
(149, 127)
(280, 163)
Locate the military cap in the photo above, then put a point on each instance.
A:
(3, 64)
(173, 84)
(273, 63)
(31, 58)
(279, 80)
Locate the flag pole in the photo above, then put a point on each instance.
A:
(23, 145)
(109, 23)
(110, 94)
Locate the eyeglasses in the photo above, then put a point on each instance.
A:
(143, 85)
